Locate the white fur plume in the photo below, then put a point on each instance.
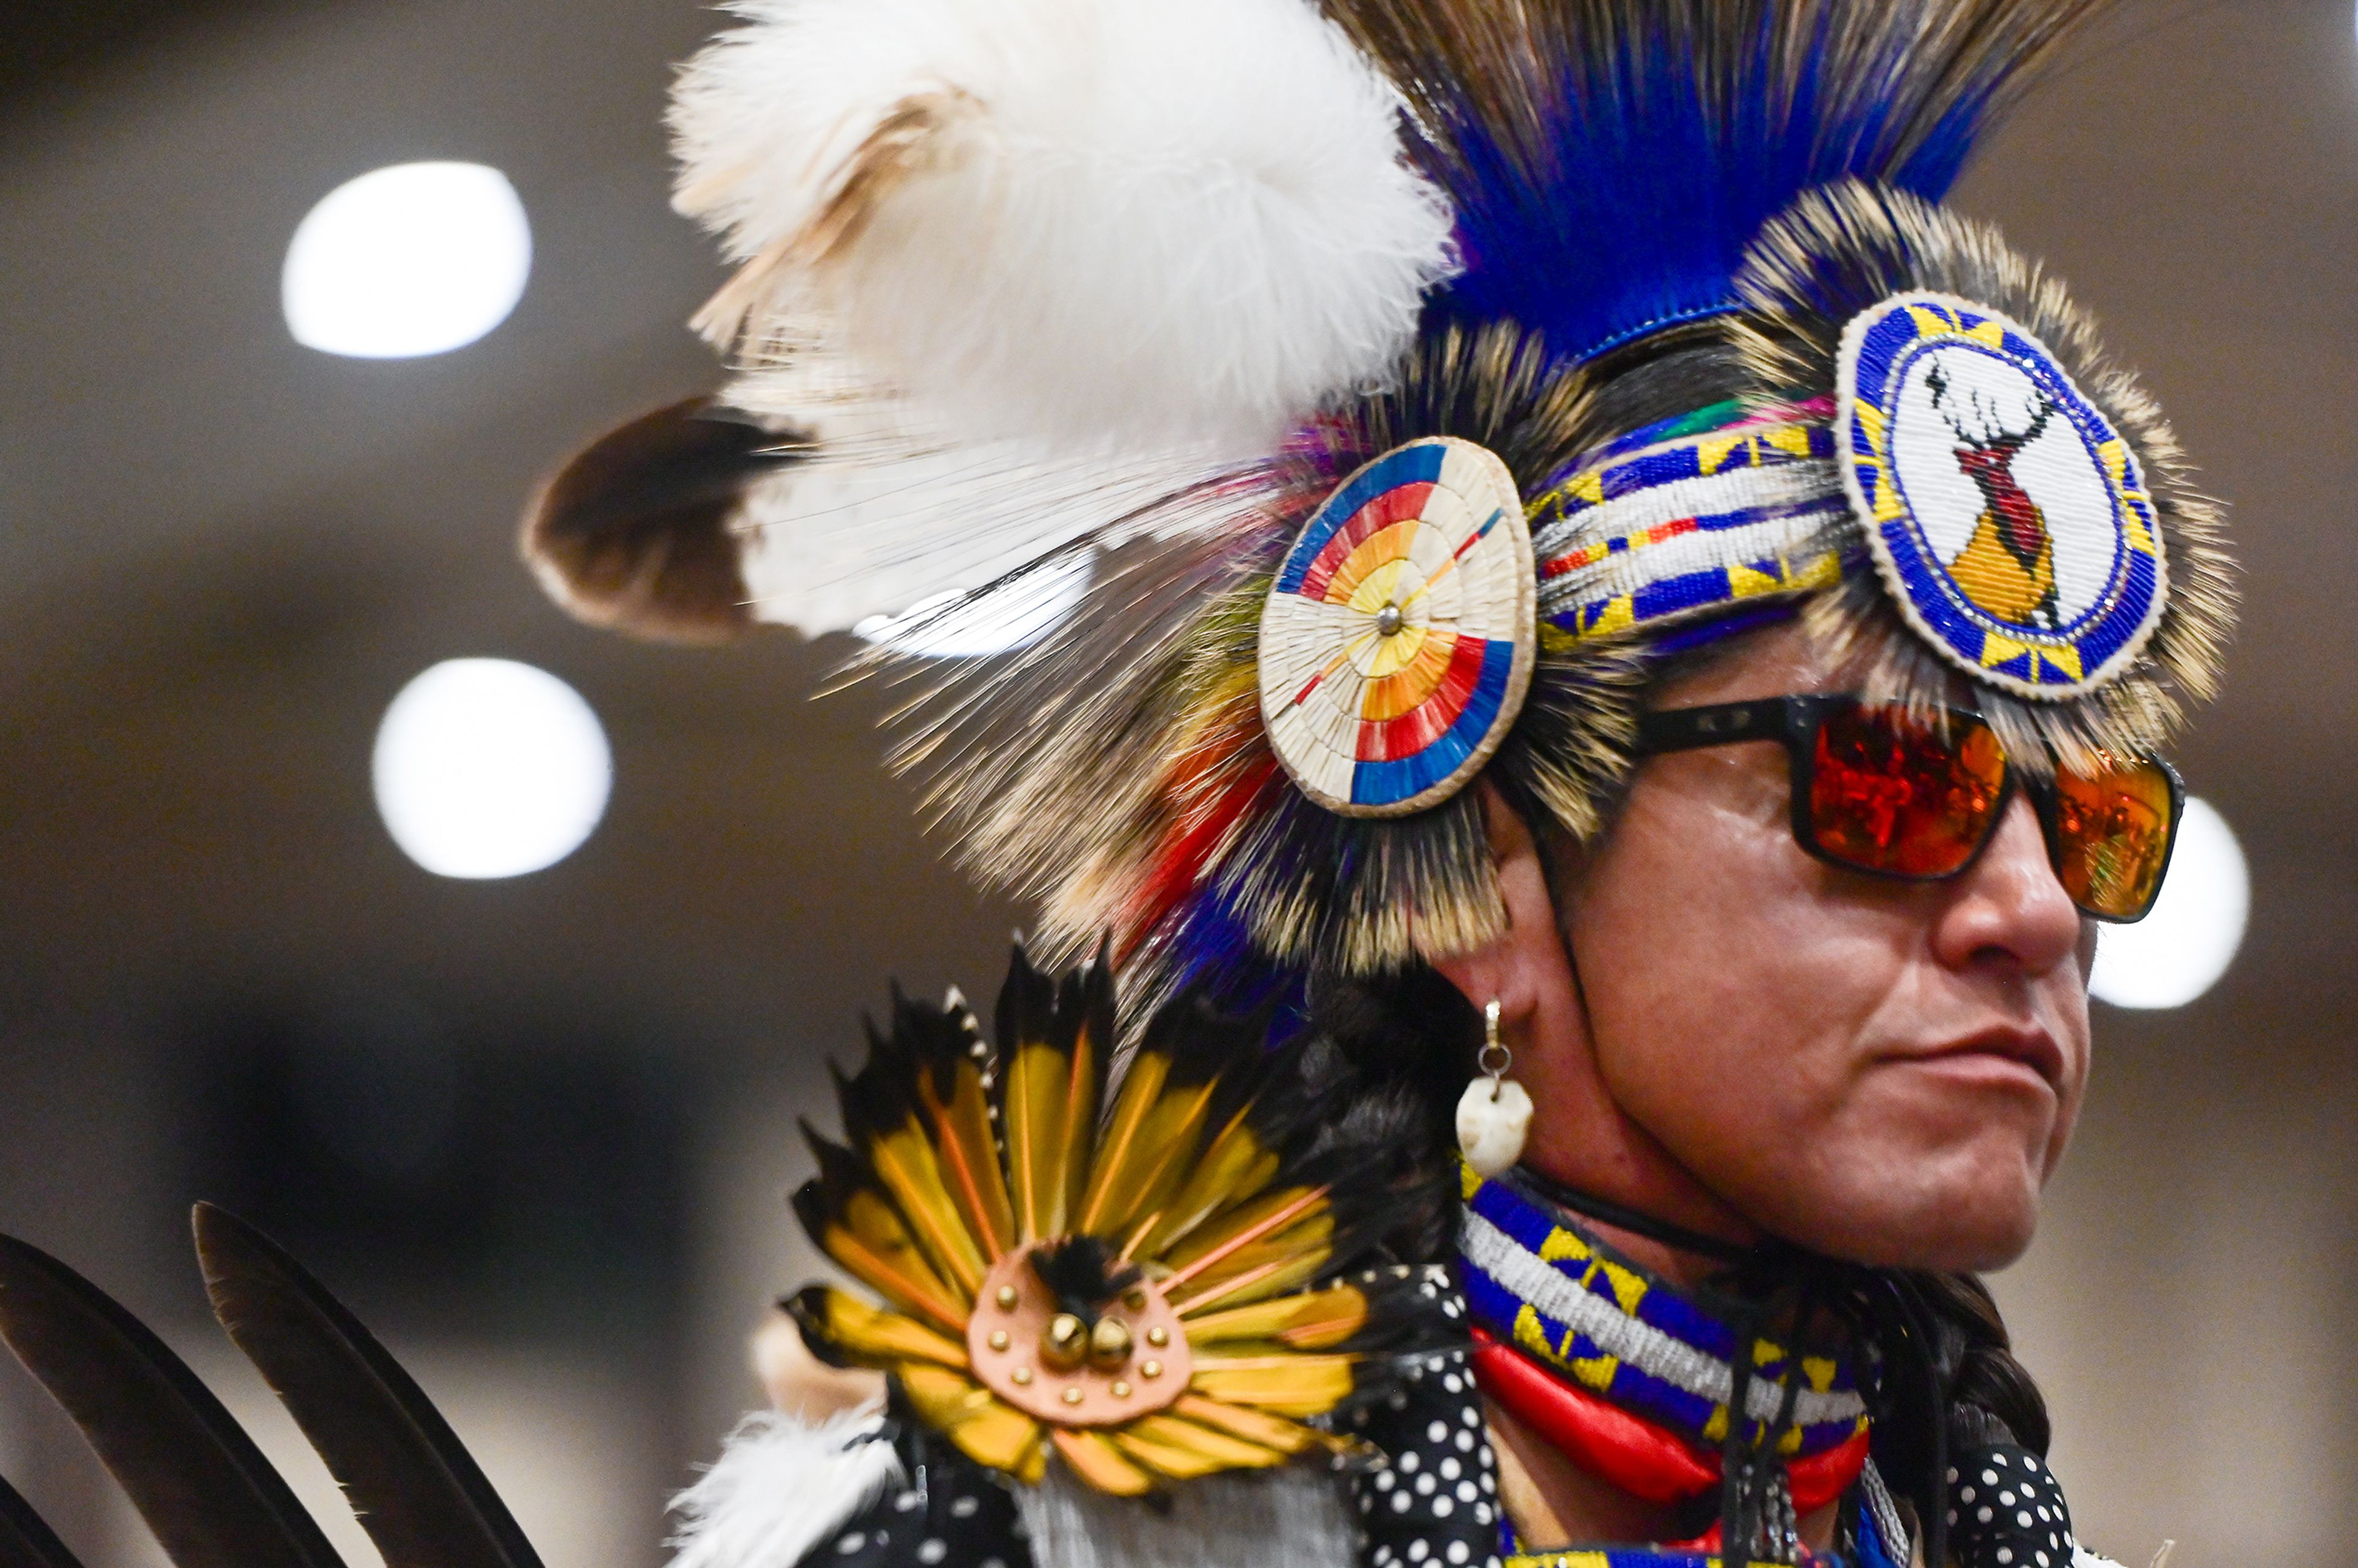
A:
(1096, 221)
(778, 1489)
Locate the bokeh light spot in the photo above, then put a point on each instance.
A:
(490, 768)
(2180, 950)
(419, 258)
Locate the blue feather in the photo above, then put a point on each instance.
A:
(1611, 193)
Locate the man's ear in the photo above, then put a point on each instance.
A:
(641, 533)
(1524, 967)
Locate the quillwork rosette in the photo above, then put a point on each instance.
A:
(1397, 641)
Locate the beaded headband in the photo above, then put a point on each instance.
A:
(1323, 410)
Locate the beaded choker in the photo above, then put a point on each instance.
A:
(1535, 1281)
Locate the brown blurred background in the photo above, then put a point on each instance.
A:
(539, 1130)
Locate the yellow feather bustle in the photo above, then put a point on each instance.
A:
(1154, 1283)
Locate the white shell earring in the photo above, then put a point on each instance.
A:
(1493, 1114)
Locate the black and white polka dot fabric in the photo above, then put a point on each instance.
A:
(2006, 1510)
(1434, 1504)
(950, 1513)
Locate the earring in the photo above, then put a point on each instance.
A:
(1493, 1114)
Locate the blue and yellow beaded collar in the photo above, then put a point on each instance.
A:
(1537, 1282)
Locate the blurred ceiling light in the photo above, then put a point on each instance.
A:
(2178, 951)
(489, 768)
(419, 258)
(1014, 616)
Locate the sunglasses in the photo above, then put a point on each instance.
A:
(1918, 794)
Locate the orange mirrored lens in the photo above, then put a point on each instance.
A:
(1904, 798)
(2112, 837)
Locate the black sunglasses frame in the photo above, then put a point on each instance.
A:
(1794, 722)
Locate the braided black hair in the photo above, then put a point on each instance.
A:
(1992, 1399)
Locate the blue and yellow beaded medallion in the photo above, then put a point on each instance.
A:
(2008, 517)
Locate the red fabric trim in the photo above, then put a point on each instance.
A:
(1824, 1476)
(1704, 1545)
(1600, 1438)
(1632, 1452)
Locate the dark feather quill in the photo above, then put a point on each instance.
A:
(25, 1539)
(194, 1475)
(419, 1494)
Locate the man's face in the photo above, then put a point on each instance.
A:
(1881, 1071)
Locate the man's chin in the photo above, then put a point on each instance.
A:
(1962, 1220)
(1972, 1250)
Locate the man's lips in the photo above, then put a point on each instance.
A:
(2032, 1048)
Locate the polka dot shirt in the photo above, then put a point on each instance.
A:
(2006, 1510)
(1434, 1504)
(951, 1513)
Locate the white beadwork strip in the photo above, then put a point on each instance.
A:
(1801, 481)
(1625, 572)
(1532, 1280)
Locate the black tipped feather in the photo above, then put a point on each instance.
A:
(193, 1473)
(1026, 1002)
(936, 1040)
(25, 1539)
(1408, 1325)
(823, 1200)
(807, 1307)
(419, 1493)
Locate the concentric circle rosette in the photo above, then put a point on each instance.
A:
(1397, 641)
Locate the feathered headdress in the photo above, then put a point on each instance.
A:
(1321, 409)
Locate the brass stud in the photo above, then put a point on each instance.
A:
(1073, 1395)
(1158, 1336)
(1135, 1301)
(1007, 1298)
(1109, 1344)
(1021, 1376)
(998, 1340)
(1121, 1390)
(1151, 1369)
(1064, 1343)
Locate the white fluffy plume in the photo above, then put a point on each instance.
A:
(779, 1488)
(1099, 222)
(882, 515)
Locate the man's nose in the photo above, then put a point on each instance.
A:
(2009, 907)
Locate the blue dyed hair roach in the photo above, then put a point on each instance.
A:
(1610, 161)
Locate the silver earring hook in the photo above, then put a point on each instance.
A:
(1496, 1061)
(1493, 1114)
